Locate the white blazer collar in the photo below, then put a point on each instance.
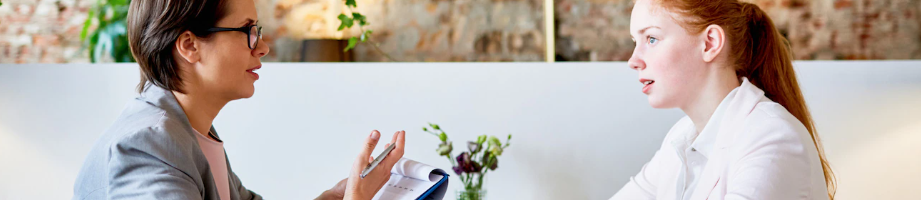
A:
(743, 102)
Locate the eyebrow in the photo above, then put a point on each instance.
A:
(647, 28)
(250, 21)
(643, 30)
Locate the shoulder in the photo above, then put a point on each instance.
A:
(144, 128)
(143, 135)
(771, 120)
(774, 148)
(141, 120)
(770, 127)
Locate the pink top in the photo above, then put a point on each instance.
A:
(214, 152)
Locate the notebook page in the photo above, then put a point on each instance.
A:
(408, 180)
(413, 169)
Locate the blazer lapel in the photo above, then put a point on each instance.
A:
(742, 103)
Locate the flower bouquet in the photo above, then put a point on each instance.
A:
(471, 166)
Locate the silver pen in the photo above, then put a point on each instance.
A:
(377, 160)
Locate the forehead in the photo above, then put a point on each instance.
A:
(238, 11)
(645, 14)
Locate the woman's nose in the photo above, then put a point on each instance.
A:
(262, 49)
(635, 63)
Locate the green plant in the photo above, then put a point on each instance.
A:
(347, 21)
(471, 165)
(110, 36)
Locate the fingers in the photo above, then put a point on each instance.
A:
(399, 138)
(341, 184)
(366, 150)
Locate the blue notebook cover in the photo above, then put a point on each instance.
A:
(438, 190)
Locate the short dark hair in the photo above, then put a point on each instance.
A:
(154, 26)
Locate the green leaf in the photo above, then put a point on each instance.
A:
(346, 21)
(365, 35)
(351, 3)
(425, 129)
(362, 20)
(86, 25)
(118, 2)
(352, 42)
(109, 38)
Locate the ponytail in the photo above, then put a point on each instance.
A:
(760, 53)
(769, 66)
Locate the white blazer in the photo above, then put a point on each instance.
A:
(761, 151)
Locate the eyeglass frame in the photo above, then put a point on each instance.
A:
(245, 29)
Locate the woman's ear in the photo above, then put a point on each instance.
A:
(714, 39)
(187, 47)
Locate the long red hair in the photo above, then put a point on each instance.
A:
(759, 52)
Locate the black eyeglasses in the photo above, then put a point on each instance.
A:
(253, 33)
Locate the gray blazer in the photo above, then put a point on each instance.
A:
(151, 153)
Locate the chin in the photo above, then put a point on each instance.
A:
(657, 103)
(246, 92)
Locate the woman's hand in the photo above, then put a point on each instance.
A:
(338, 190)
(335, 193)
(358, 188)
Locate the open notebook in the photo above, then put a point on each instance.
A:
(411, 180)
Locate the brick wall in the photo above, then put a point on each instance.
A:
(495, 30)
(46, 31)
(817, 29)
(430, 30)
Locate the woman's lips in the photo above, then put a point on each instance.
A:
(646, 88)
(252, 71)
(647, 84)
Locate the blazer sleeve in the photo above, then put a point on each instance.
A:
(244, 193)
(645, 184)
(139, 168)
(773, 162)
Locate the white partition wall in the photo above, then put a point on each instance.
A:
(580, 129)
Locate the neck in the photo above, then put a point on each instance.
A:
(201, 109)
(713, 92)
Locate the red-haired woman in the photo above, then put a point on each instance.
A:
(747, 133)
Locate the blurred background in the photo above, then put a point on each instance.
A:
(52, 31)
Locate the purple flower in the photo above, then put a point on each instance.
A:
(475, 167)
(466, 165)
(458, 170)
(462, 159)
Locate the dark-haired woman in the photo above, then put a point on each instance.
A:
(195, 56)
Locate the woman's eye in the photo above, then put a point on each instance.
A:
(653, 40)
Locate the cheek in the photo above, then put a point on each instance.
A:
(227, 62)
(674, 70)
(228, 53)
(228, 56)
